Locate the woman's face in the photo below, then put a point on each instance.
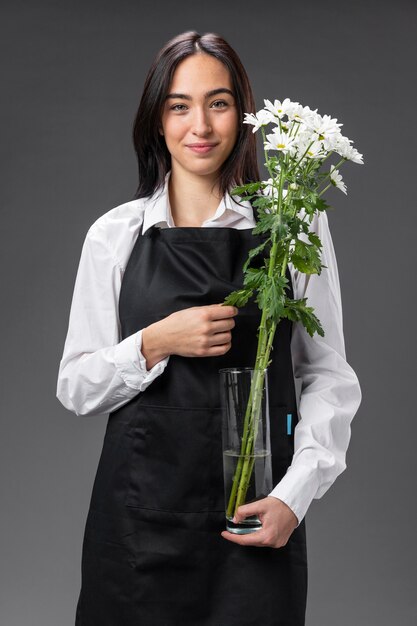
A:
(191, 115)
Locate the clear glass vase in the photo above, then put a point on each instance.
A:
(247, 467)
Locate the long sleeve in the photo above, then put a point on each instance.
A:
(98, 373)
(330, 390)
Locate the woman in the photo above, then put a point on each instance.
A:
(147, 335)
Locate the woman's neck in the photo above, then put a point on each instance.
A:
(192, 199)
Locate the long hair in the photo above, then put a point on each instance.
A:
(154, 159)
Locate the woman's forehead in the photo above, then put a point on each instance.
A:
(200, 74)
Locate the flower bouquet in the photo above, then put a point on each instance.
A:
(301, 141)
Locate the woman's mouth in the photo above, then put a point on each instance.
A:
(201, 149)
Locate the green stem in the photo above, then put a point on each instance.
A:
(246, 461)
(328, 175)
(325, 189)
(299, 161)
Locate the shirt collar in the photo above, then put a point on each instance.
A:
(158, 209)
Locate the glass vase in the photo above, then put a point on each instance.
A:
(247, 467)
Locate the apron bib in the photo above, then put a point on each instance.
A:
(152, 550)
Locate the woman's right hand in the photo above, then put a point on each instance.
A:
(194, 332)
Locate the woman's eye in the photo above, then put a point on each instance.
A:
(221, 102)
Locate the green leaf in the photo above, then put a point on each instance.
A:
(272, 297)
(296, 225)
(238, 298)
(281, 252)
(297, 311)
(254, 278)
(321, 204)
(274, 162)
(298, 203)
(253, 253)
(305, 257)
(249, 188)
(315, 240)
(263, 202)
(274, 223)
(265, 223)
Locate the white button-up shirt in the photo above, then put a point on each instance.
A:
(99, 373)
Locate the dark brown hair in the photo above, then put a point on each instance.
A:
(154, 159)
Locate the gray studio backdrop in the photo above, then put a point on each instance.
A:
(72, 75)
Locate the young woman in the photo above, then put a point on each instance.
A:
(147, 335)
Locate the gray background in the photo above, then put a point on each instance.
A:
(72, 75)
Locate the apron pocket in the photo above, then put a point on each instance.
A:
(172, 573)
(170, 458)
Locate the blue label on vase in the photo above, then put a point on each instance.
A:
(289, 418)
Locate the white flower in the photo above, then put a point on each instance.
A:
(270, 190)
(314, 151)
(326, 129)
(261, 118)
(279, 109)
(281, 142)
(332, 141)
(305, 134)
(302, 127)
(284, 126)
(301, 114)
(347, 151)
(337, 180)
(267, 190)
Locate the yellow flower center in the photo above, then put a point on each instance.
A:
(281, 146)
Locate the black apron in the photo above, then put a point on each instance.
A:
(152, 550)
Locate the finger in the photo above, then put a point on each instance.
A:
(255, 538)
(223, 325)
(220, 311)
(219, 339)
(246, 510)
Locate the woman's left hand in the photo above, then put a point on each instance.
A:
(278, 522)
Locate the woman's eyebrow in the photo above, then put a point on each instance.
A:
(213, 92)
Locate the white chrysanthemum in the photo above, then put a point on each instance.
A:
(295, 113)
(261, 118)
(301, 128)
(281, 142)
(301, 114)
(285, 126)
(324, 127)
(337, 180)
(347, 151)
(330, 142)
(279, 109)
(269, 189)
(343, 143)
(305, 135)
(314, 151)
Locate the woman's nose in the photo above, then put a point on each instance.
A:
(201, 122)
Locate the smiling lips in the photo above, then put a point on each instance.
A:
(201, 148)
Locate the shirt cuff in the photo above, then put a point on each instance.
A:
(297, 489)
(131, 363)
